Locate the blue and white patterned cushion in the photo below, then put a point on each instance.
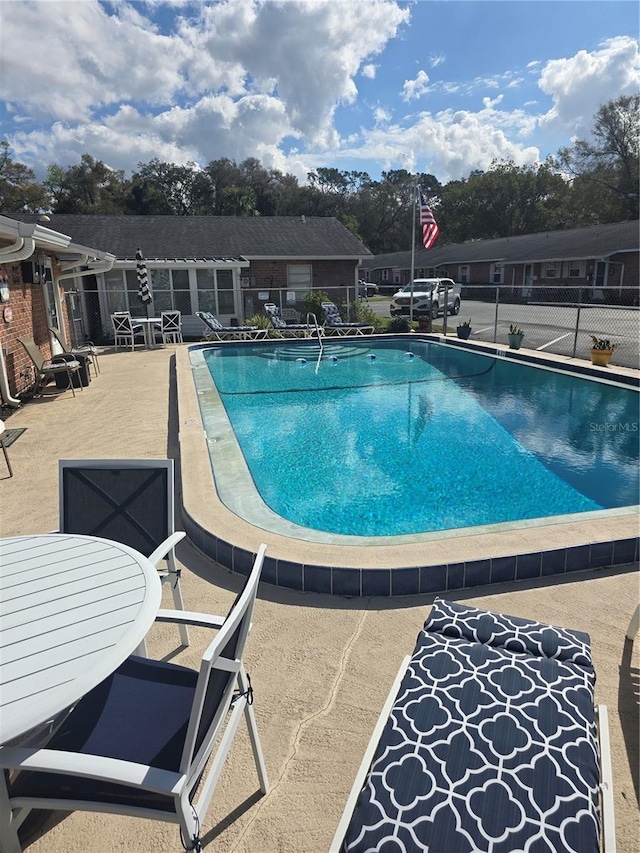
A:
(487, 748)
(333, 318)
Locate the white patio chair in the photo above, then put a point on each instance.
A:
(170, 327)
(139, 743)
(130, 501)
(124, 330)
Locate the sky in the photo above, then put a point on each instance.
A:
(357, 85)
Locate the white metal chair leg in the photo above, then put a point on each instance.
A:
(9, 841)
(178, 603)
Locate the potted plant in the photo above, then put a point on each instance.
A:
(601, 351)
(515, 336)
(464, 329)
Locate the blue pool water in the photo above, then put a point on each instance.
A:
(396, 437)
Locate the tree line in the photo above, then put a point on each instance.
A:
(590, 182)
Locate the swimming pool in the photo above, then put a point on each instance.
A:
(395, 438)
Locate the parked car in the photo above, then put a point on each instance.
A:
(367, 288)
(429, 295)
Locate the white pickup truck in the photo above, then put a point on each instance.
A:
(429, 296)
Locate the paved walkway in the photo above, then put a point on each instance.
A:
(321, 666)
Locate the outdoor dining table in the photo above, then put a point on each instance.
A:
(72, 609)
(147, 324)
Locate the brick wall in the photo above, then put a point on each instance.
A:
(269, 275)
(28, 318)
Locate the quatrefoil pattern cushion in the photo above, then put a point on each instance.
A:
(487, 748)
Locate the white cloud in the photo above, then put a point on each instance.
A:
(581, 84)
(414, 89)
(246, 78)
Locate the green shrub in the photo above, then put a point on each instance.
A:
(399, 324)
(313, 304)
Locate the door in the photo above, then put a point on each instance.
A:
(52, 301)
(527, 280)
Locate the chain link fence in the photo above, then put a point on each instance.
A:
(559, 320)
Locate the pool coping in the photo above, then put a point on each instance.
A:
(440, 564)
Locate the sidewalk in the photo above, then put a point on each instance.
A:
(320, 666)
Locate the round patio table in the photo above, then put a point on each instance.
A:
(72, 609)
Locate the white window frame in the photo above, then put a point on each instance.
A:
(497, 273)
(575, 269)
(551, 269)
(385, 275)
(464, 273)
(299, 277)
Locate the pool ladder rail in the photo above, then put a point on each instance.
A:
(311, 316)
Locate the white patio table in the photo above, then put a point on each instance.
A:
(147, 324)
(72, 609)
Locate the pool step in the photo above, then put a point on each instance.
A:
(311, 351)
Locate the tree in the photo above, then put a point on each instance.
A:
(605, 169)
(19, 190)
(89, 187)
(504, 201)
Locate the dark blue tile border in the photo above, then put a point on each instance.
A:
(345, 581)
(317, 579)
(529, 566)
(409, 580)
(477, 573)
(405, 581)
(503, 569)
(289, 574)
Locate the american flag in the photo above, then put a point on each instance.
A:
(430, 228)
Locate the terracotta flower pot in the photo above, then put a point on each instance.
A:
(601, 357)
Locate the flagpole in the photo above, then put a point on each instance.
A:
(413, 249)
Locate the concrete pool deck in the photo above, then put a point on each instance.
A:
(321, 665)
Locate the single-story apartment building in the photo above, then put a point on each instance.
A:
(601, 261)
(229, 266)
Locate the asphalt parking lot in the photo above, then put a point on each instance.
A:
(556, 328)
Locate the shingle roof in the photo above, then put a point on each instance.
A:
(212, 236)
(595, 241)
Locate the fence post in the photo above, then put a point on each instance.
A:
(495, 322)
(575, 334)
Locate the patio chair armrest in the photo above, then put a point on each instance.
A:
(189, 617)
(91, 766)
(606, 782)
(164, 547)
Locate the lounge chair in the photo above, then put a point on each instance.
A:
(87, 350)
(46, 368)
(280, 326)
(487, 742)
(333, 324)
(216, 331)
(140, 743)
